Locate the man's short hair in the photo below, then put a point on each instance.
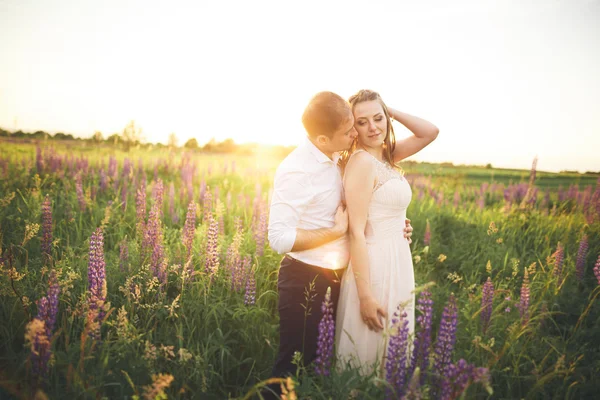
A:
(324, 114)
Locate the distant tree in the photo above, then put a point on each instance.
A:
(488, 166)
(191, 144)
(40, 135)
(210, 146)
(132, 135)
(98, 137)
(173, 140)
(115, 138)
(4, 133)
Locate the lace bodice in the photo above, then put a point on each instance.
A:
(391, 197)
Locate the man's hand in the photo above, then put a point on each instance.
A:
(408, 231)
(341, 220)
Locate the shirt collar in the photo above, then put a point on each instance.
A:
(322, 158)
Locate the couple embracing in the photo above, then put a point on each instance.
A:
(338, 213)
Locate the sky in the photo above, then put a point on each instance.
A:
(505, 81)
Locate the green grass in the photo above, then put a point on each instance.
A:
(198, 328)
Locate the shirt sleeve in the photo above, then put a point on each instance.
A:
(291, 196)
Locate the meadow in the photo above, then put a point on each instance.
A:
(147, 274)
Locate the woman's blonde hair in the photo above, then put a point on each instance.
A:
(389, 143)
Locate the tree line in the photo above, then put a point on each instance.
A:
(132, 136)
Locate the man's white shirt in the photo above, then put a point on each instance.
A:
(306, 194)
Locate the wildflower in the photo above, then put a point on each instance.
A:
(123, 255)
(444, 346)
(458, 378)
(260, 231)
(189, 229)
(288, 392)
(492, 229)
(140, 208)
(79, 190)
(396, 363)
(422, 343)
(488, 267)
(159, 383)
(597, 269)
(487, 299)
(97, 283)
(30, 231)
(442, 258)
(581, 256)
(250, 295)
(184, 355)
(417, 259)
(207, 206)
(326, 337)
(558, 256)
(427, 237)
(524, 302)
(39, 343)
(174, 216)
(211, 264)
(47, 227)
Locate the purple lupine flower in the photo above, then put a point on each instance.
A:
(456, 198)
(234, 260)
(260, 231)
(154, 243)
(581, 256)
(427, 236)
(174, 216)
(79, 190)
(189, 229)
(487, 299)
(481, 201)
(140, 209)
(446, 338)
(420, 355)
(124, 189)
(524, 302)
(97, 283)
(397, 354)
(207, 207)
(326, 337)
(559, 256)
(103, 180)
(158, 193)
(39, 160)
(211, 264)
(250, 295)
(48, 305)
(123, 256)
(597, 269)
(459, 376)
(47, 227)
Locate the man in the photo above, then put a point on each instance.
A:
(308, 222)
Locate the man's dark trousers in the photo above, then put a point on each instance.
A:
(302, 288)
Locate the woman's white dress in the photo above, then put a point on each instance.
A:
(390, 269)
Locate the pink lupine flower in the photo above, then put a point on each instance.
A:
(211, 264)
(487, 299)
(524, 302)
(597, 269)
(47, 227)
(581, 256)
(189, 229)
(427, 236)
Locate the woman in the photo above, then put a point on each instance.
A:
(380, 275)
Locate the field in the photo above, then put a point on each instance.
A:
(147, 274)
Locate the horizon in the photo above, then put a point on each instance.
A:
(503, 82)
